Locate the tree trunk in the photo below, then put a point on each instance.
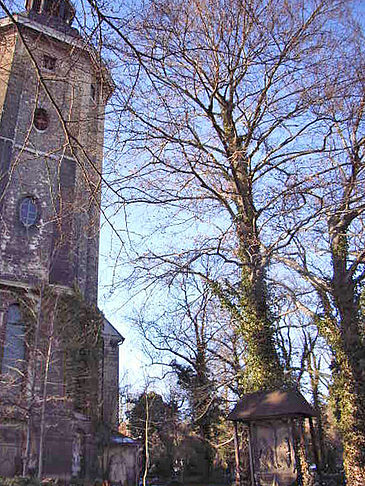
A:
(350, 404)
(314, 371)
(263, 367)
(146, 447)
(349, 350)
(33, 369)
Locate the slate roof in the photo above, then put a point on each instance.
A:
(273, 404)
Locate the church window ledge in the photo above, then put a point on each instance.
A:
(93, 92)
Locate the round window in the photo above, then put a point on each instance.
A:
(28, 212)
(41, 119)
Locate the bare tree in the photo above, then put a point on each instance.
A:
(244, 123)
(214, 113)
(333, 264)
(216, 108)
(185, 339)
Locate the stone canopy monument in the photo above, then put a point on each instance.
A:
(273, 435)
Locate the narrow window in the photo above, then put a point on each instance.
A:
(49, 62)
(14, 345)
(52, 7)
(93, 92)
(47, 5)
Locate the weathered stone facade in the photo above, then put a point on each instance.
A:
(53, 92)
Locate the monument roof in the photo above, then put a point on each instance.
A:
(271, 404)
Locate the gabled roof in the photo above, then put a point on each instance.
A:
(264, 405)
(110, 331)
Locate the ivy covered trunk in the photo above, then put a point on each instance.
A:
(348, 392)
(346, 335)
(263, 369)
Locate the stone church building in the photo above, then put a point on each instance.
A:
(58, 354)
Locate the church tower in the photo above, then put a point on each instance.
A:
(53, 93)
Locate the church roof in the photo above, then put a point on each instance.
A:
(110, 331)
(271, 404)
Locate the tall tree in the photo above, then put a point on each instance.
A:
(214, 112)
(334, 266)
(186, 340)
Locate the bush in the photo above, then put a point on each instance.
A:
(27, 481)
(19, 481)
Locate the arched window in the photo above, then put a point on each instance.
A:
(14, 344)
